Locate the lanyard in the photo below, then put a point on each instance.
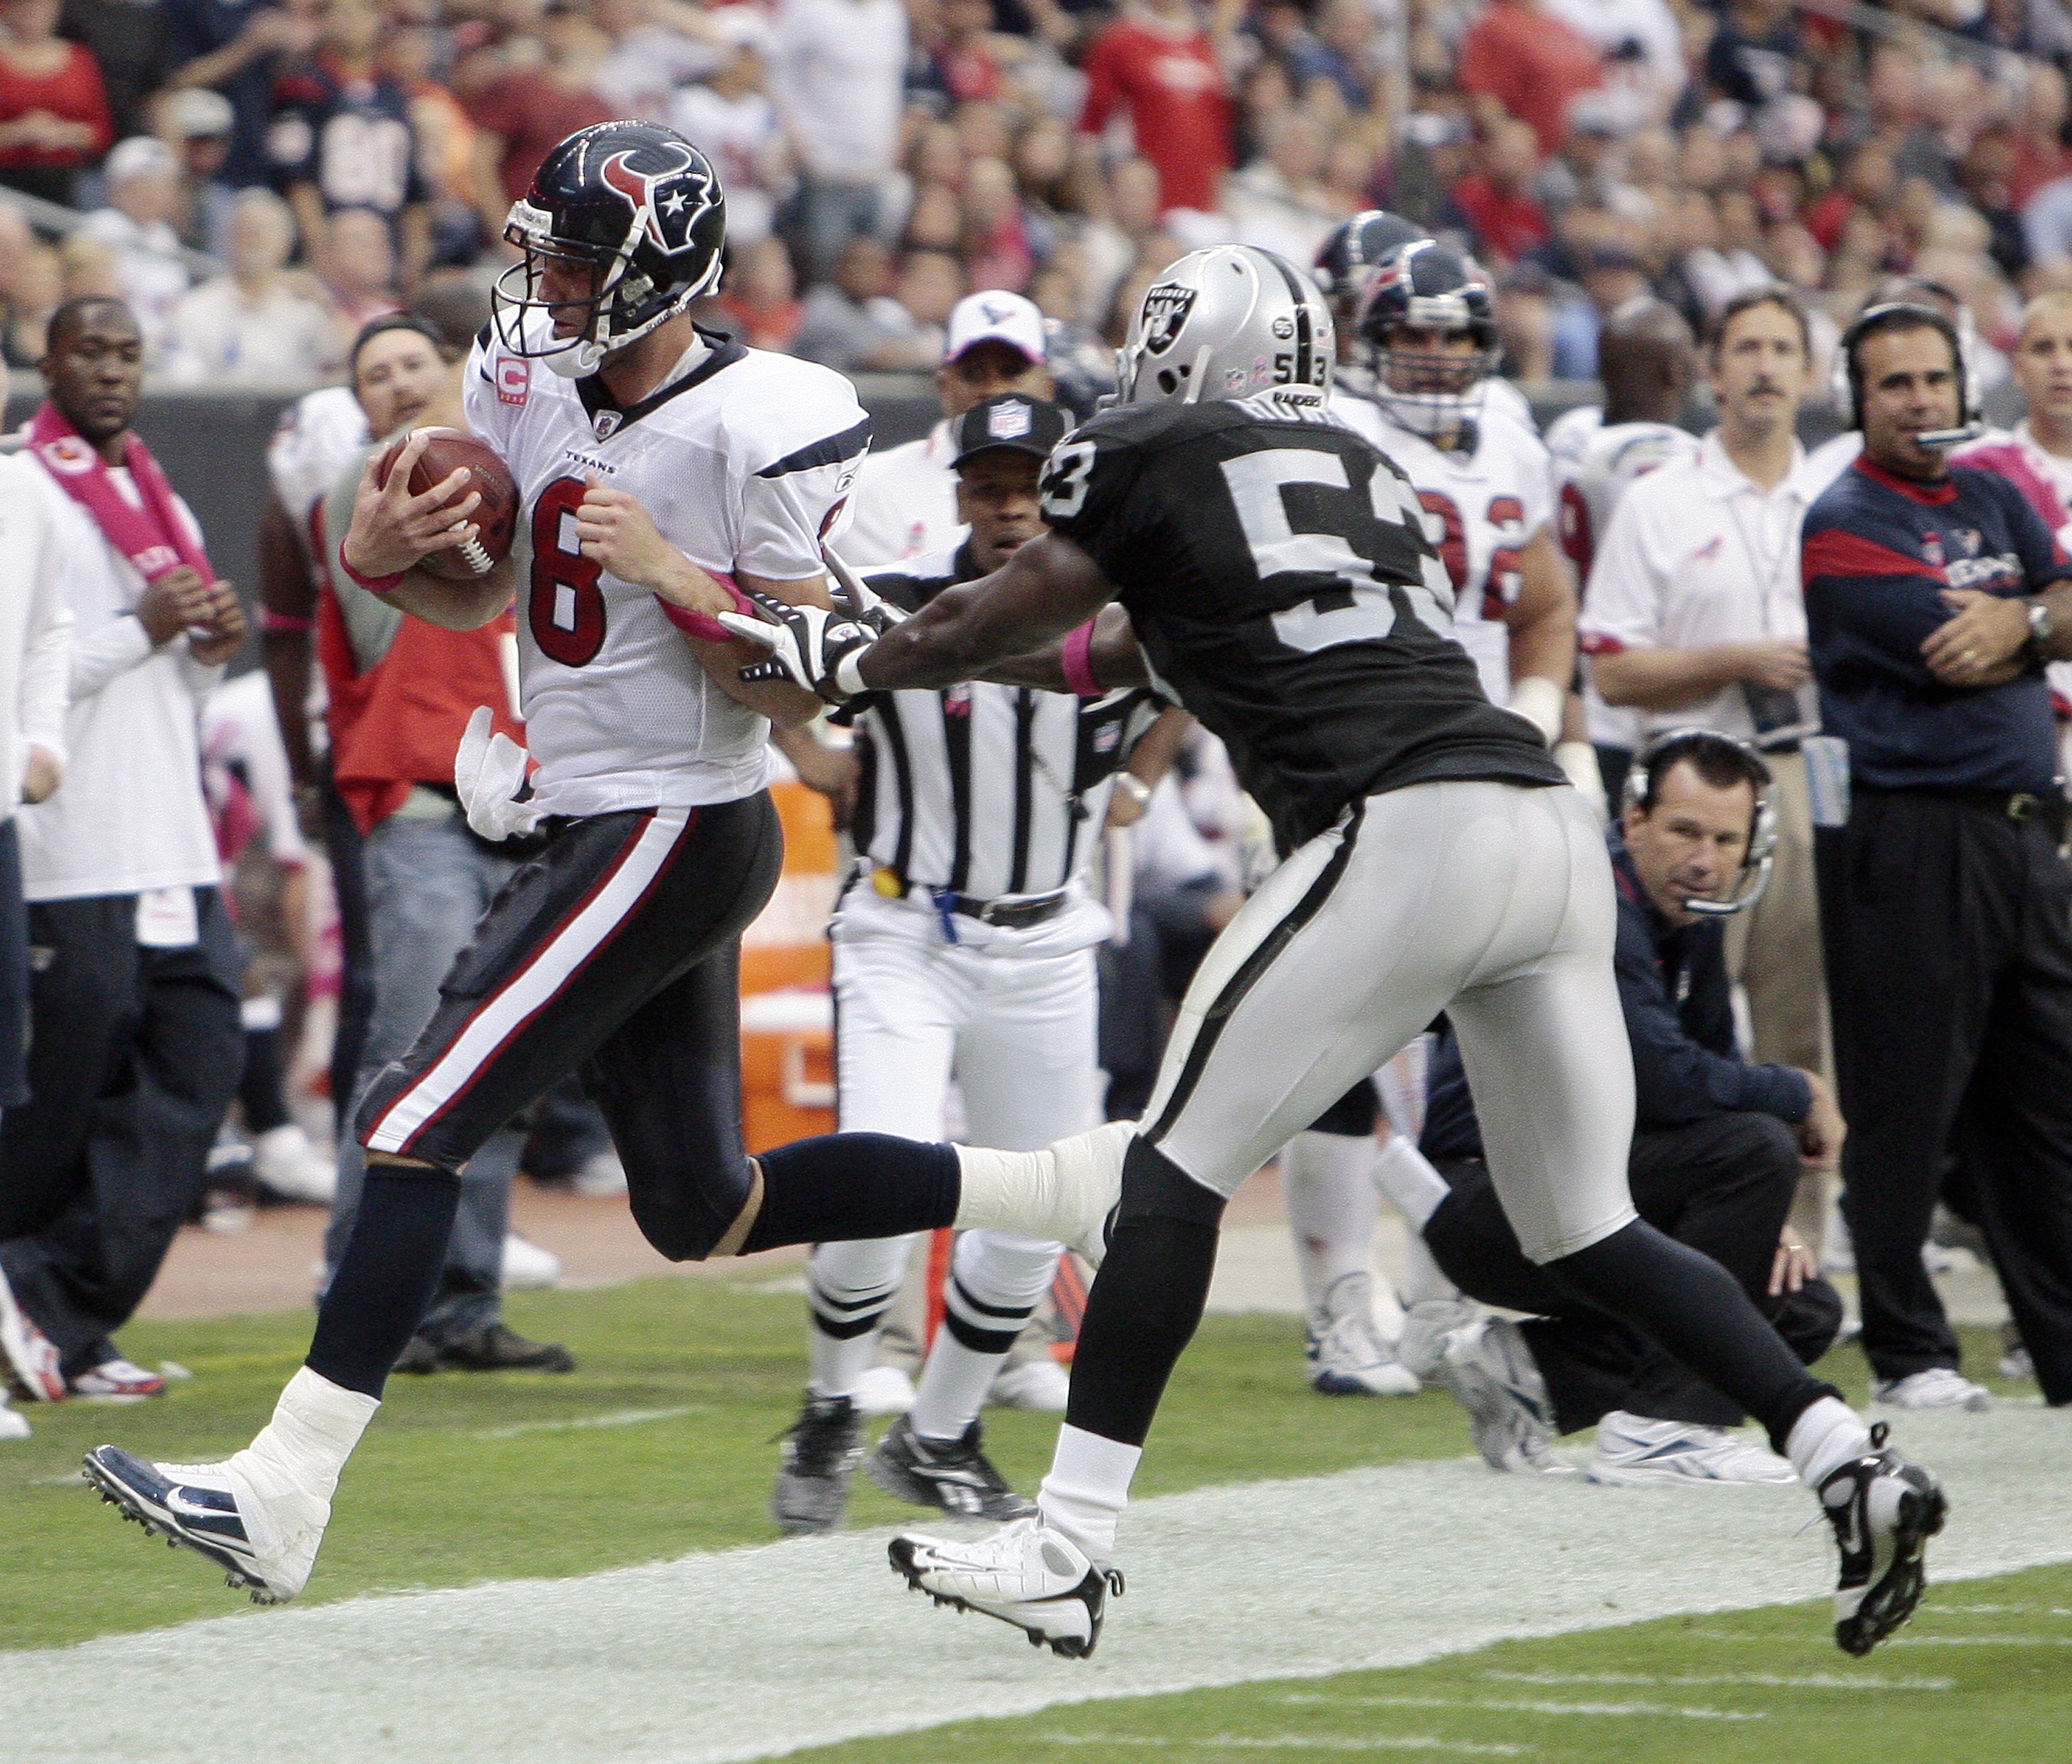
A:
(1768, 572)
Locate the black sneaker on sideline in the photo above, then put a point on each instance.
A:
(821, 1450)
(495, 1347)
(419, 1358)
(952, 1475)
(1884, 1509)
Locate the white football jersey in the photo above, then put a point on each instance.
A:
(1594, 466)
(745, 462)
(315, 440)
(1481, 509)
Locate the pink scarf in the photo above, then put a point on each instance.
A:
(153, 537)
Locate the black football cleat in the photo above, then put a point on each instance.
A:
(1884, 1509)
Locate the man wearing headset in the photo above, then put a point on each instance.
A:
(1935, 596)
(1718, 1146)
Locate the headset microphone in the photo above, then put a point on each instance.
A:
(1940, 438)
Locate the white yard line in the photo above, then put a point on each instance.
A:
(755, 1652)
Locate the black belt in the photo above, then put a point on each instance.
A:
(1011, 912)
(2015, 805)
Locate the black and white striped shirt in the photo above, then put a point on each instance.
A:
(985, 790)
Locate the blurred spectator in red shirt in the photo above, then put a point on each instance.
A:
(759, 304)
(53, 110)
(1157, 65)
(2040, 155)
(1495, 202)
(1529, 63)
(522, 115)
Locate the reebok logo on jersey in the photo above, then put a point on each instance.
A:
(514, 379)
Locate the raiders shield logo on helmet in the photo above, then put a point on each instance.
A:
(1165, 309)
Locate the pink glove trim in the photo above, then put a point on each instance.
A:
(703, 625)
(1078, 662)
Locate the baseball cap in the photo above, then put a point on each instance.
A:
(200, 112)
(993, 316)
(1012, 420)
(139, 155)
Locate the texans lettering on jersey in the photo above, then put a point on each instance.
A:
(1276, 570)
(1480, 510)
(744, 460)
(1879, 552)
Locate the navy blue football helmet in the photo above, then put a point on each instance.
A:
(1425, 288)
(1348, 259)
(641, 206)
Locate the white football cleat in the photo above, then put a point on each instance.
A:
(1342, 1350)
(248, 1520)
(1637, 1451)
(1492, 1373)
(1937, 1387)
(1426, 1325)
(27, 1353)
(525, 1267)
(884, 1390)
(1027, 1575)
(285, 1162)
(1884, 1508)
(12, 1425)
(1042, 1385)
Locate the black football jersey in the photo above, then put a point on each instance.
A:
(1277, 571)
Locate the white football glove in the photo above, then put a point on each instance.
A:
(489, 773)
(855, 597)
(810, 646)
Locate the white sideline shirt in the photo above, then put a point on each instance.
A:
(129, 816)
(1697, 555)
(35, 628)
(904, 505)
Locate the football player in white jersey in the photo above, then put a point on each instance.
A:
(646, 453)
(1426, 322)
(1648, 364)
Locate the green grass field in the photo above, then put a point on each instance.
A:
(664, 1444)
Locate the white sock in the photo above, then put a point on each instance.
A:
(1060, 1192)
(1423, 1279)
(1327, 1184)
(1413, 1187)
(839, 1362)
(1825, 1437)
(1087, 1490)
(315, 1425)
(952, 1388)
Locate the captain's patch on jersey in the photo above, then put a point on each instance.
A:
(514, 379)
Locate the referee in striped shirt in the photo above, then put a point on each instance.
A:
(964, 945)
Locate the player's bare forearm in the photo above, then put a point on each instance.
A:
(455, 605)
(1048, 587)
(1112, 657)
(1542, 621)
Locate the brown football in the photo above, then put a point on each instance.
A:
(497, 515)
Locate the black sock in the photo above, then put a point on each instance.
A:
(843, 1187)
(261, 1089)
(386, 1278)
(1696, 1311)
(1146, 1302)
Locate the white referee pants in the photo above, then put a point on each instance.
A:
(1016, 1032)
(1491, 902)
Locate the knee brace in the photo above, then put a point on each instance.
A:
(1153, 1186)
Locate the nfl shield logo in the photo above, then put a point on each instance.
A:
(607, 423)
(1165, 309)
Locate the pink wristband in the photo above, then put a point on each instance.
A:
(703, 625)
(1077, 659)
(271, 620)
(374, 585)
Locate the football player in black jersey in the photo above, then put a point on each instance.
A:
(1273, 567)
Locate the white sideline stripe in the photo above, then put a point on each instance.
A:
(1523, 1706)
(1758, 1681)
(1298, 1742)
(624, 1417)
(537, 982)
(752, 1653)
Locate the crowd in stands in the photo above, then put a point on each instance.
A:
(881, 158)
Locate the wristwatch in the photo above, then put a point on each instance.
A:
(2042, 627)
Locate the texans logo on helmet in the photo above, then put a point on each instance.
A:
(654, 212)
(1165, 309)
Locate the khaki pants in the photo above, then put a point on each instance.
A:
(1774, 955)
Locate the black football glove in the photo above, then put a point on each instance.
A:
(807, 645)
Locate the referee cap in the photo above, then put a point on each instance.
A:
(1011, 420)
